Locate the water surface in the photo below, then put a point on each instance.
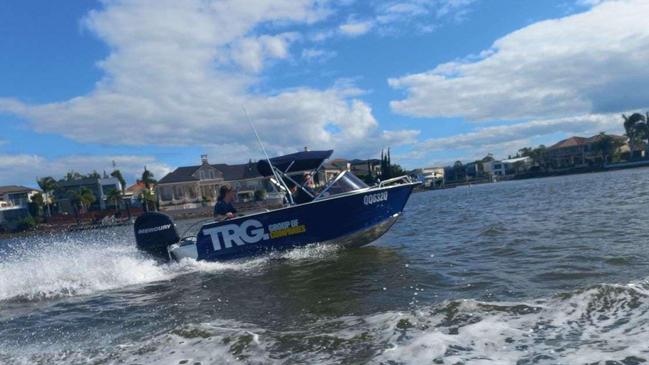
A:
(545, 271)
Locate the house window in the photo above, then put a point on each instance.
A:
(207, 174)
(209, 192)
(193, 194)
(166, 193)
(179, 192)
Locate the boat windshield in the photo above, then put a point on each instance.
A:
(344, 183)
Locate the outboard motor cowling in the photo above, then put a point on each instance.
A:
(154, 232)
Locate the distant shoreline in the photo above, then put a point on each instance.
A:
(180, 215)
(581, 171)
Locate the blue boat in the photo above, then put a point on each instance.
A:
(345, 211)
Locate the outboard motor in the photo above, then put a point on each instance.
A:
(154, 232)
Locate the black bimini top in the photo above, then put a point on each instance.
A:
(300, 161)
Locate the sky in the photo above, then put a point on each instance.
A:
(88, 85)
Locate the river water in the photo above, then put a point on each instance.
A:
(545, 271)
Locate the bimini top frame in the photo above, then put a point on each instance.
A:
(280, 167)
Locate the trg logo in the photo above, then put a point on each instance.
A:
(228, 235)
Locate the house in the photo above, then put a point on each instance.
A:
(8, 214)
(507, 167)
(332, 168)
(459, 172)
(133, 192)
(100, 188)
(494, 168)
(472, 170)
(361, 168)
(577, 151)
(194, 186)
(429, 176)
(14, 202)
(16, 196)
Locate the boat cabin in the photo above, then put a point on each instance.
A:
(288, 173)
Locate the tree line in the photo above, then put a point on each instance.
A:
(82, 199)
(606, 147)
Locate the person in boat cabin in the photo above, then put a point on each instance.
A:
(308, 181)
(223, 209)
(298, 194)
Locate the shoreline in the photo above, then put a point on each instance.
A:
(582, 171)
(180, 215)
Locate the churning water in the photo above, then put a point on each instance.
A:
(547, 271)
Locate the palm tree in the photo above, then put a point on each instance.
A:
(636, 127)
(73, 175)
(148, 199)
(127, 204)
(118, 175)
(115, 196)
(606, 145)
(75, 201)
(458, 171)
(147, 178)
(526, 152)
(48, 185)
(36, 205)
(86, 198)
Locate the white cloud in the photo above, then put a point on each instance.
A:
(590, 2)
(356, 28)
(593, 62)
(425, 15)
(401, 137)
(318, 54)
(179, 73)
(505, 139)
(252, 52)
(458, 8)
(397, 17)
(25, 168)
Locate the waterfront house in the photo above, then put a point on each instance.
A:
(429, 176)
(16, 196)
(506, 167)
(190, 187)
(133, 193)
(100, 188)
(459, 172)
(10, 214)
(331, 169)
(578, 151)
(362, 168)
(472, 170)
(14, 202)
(494, 168)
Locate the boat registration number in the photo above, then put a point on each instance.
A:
(375, 198)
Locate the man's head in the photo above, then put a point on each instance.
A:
(226, 193)
(308, 179)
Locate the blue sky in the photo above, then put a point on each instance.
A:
(157, 83)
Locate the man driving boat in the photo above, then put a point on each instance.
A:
(223, 209)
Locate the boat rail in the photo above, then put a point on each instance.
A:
(404, 178)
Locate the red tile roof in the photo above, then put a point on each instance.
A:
(15, 189)
(580, 141)
(136, 187)
(570, 142)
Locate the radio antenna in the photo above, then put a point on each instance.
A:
(256, 135)
(270, 164)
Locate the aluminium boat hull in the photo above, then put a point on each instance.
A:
(353, 219)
